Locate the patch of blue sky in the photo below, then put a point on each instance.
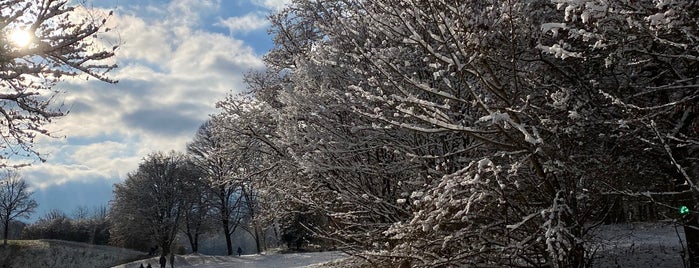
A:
(70, 195)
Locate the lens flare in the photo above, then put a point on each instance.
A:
(20, 38)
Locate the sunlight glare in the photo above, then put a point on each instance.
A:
(20, 38)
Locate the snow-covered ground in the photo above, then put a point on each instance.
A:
(271, 260)
(638, 245)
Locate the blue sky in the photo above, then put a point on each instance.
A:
(177, 58)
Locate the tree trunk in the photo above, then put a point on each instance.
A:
(193, 236)
(227, 234)
(6, 232)
(195, 246)
(577, 258)
(258, 243)
(691, 233)
(191, 242)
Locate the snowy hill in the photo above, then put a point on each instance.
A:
(56, 253)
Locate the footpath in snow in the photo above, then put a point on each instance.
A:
(637, 245)
(271, 260)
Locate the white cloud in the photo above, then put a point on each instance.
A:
(171, 74)
(207, 53)
(142, 40)
(273, 4)
(189, 11)
(244, 24)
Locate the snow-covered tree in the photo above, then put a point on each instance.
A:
(42, 43)
(647, 56)
(207, 152)
(247, 128)
(149, 205)
(514, 124)
(437, 133)
(649, 53)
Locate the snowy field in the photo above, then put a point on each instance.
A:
(272, 260)
(634, 245)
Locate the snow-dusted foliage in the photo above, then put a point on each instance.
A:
(441, 133)
(247, 129)
(422, 69)
(650, 51)
(222, 197)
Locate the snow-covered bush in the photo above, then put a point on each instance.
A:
(437, 133)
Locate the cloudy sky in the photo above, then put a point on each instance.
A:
(177, 58)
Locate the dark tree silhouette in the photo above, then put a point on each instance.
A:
(15, 200)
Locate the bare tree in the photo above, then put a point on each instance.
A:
(42, 43)
(81, 213)
(149, 205)
(197, 215)
(15, 200)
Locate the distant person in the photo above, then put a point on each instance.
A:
(163, 261)
(240, 251)
(172, 260)
(153, 250)
(149, 266)
(140, 266)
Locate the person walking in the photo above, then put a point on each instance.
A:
(163, 261)
(240, 251)
(172, 260)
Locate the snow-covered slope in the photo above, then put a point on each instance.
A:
(57, 253)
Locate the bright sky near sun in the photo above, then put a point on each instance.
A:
(20, 38)
(177, 58)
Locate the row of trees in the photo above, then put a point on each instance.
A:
(438, 133)
(85, 225)
(175, 193)
(17, 203)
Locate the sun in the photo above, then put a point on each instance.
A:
(20, 38)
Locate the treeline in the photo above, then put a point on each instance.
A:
(174, 195)
(206, 191)
(86, 226)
